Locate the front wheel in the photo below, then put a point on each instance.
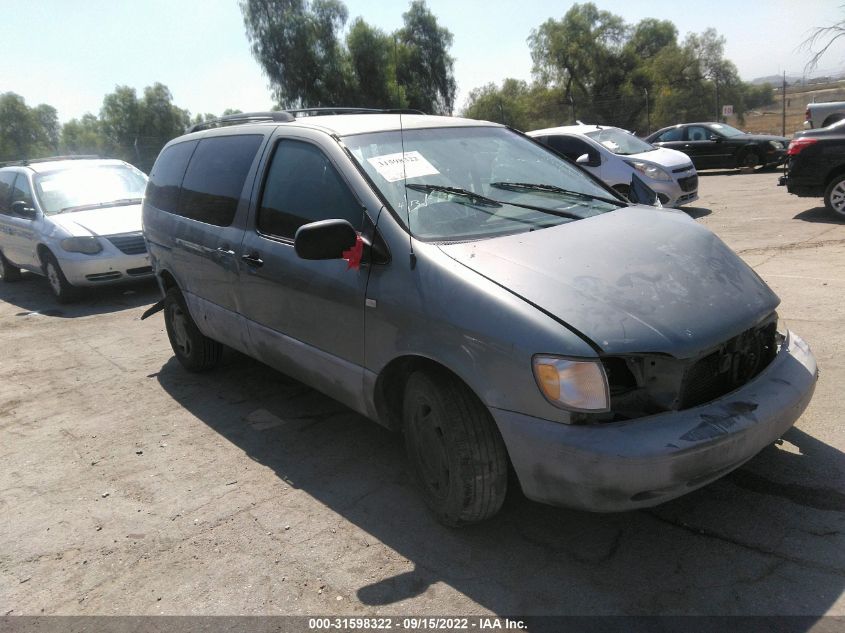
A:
(454, 449)
(8, 272)
(193, 349)
(834, 196)
(62, 289)
(749, 160)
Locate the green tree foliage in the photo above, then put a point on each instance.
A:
(26, 132)
(592, 66)
(303, 51)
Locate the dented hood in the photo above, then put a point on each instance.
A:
(633, 280)
(103, 221)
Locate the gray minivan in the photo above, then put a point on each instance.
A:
(459, 282)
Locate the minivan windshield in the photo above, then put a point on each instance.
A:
(89, 187)
(462, 183)
(620, 142)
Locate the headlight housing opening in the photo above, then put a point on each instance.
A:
(650, 170)
(575, 385)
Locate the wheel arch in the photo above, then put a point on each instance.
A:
(833, 174)
(833, 118)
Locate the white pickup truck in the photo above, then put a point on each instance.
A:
(823, 114)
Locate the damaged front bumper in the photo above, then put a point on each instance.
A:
(638, 463)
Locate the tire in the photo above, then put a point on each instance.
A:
(454, 448)
(749, 160)
(834, 196)
(8, 272)
(61, 287)
(193, 349)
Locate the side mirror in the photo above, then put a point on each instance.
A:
(641, 193)
(19, 207)
(326, 239)
(589, 161)
(714, 137)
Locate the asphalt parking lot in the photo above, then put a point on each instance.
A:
(129, 486)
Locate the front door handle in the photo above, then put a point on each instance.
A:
(253, 260)
(225, 251)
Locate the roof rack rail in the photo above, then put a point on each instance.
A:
(243, 117)
(305, 112)
(47, 159)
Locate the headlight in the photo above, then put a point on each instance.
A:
(776, 144)
(89, 245)
(578, 385)
(649, 169)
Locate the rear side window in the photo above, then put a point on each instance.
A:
(303, 186)
(215, 178)
(167, 174)
(6, 180)
(674, 134)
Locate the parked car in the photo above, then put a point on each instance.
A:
(614, 155)
(720, 146)
(453, 279)
(819, 115)
(76, 221)
(816, 166)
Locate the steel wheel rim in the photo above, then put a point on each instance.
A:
(430, 451)
(837, 197)
(180, 331)
(53, 278)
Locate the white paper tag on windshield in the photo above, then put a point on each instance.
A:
(393, 167)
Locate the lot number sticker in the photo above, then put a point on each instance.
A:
(393, 167)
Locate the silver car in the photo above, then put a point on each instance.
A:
(615, 155)
(76, 221)
(458, 282)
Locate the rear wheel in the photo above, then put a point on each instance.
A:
(8, 272)
(834, 196)
(454, 449)
(193, 349)
(62, 289)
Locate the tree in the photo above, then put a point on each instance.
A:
(26, 132)
(823, 37)
(300, 46)
(425, 69)
(83, 136)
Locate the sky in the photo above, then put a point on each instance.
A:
(71, 53)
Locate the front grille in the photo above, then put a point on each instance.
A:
(142, 270)
(129, 243)
(690, 183)
(731, 366)
(103, 276)
(646, 384)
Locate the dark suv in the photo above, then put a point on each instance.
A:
(816, 166)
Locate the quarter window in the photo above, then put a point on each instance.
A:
(22, 191)
(215, 178)
(303, 186)
(167, 174)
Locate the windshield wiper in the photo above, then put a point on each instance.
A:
(100, 205)
(529, 186)
(474, 198)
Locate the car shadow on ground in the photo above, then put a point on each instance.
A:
(820, 214)
(701, 554)
(762, 171)
(696, 212)
(32, 294)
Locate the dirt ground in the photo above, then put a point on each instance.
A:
(129, 486)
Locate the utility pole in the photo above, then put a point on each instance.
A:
(647, 113)
(718, 114)
(783, 98)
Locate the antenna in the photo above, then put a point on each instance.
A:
(413, 256)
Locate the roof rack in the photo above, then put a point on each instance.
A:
(305, 112)
(47, 159)
(286, 116)
(243, 117)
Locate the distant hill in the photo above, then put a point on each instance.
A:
(776, 80)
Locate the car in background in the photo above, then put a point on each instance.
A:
(821, 115)
(720, 146)
(457, 281)
(815, 166)
(613, 155)
(75, 220)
